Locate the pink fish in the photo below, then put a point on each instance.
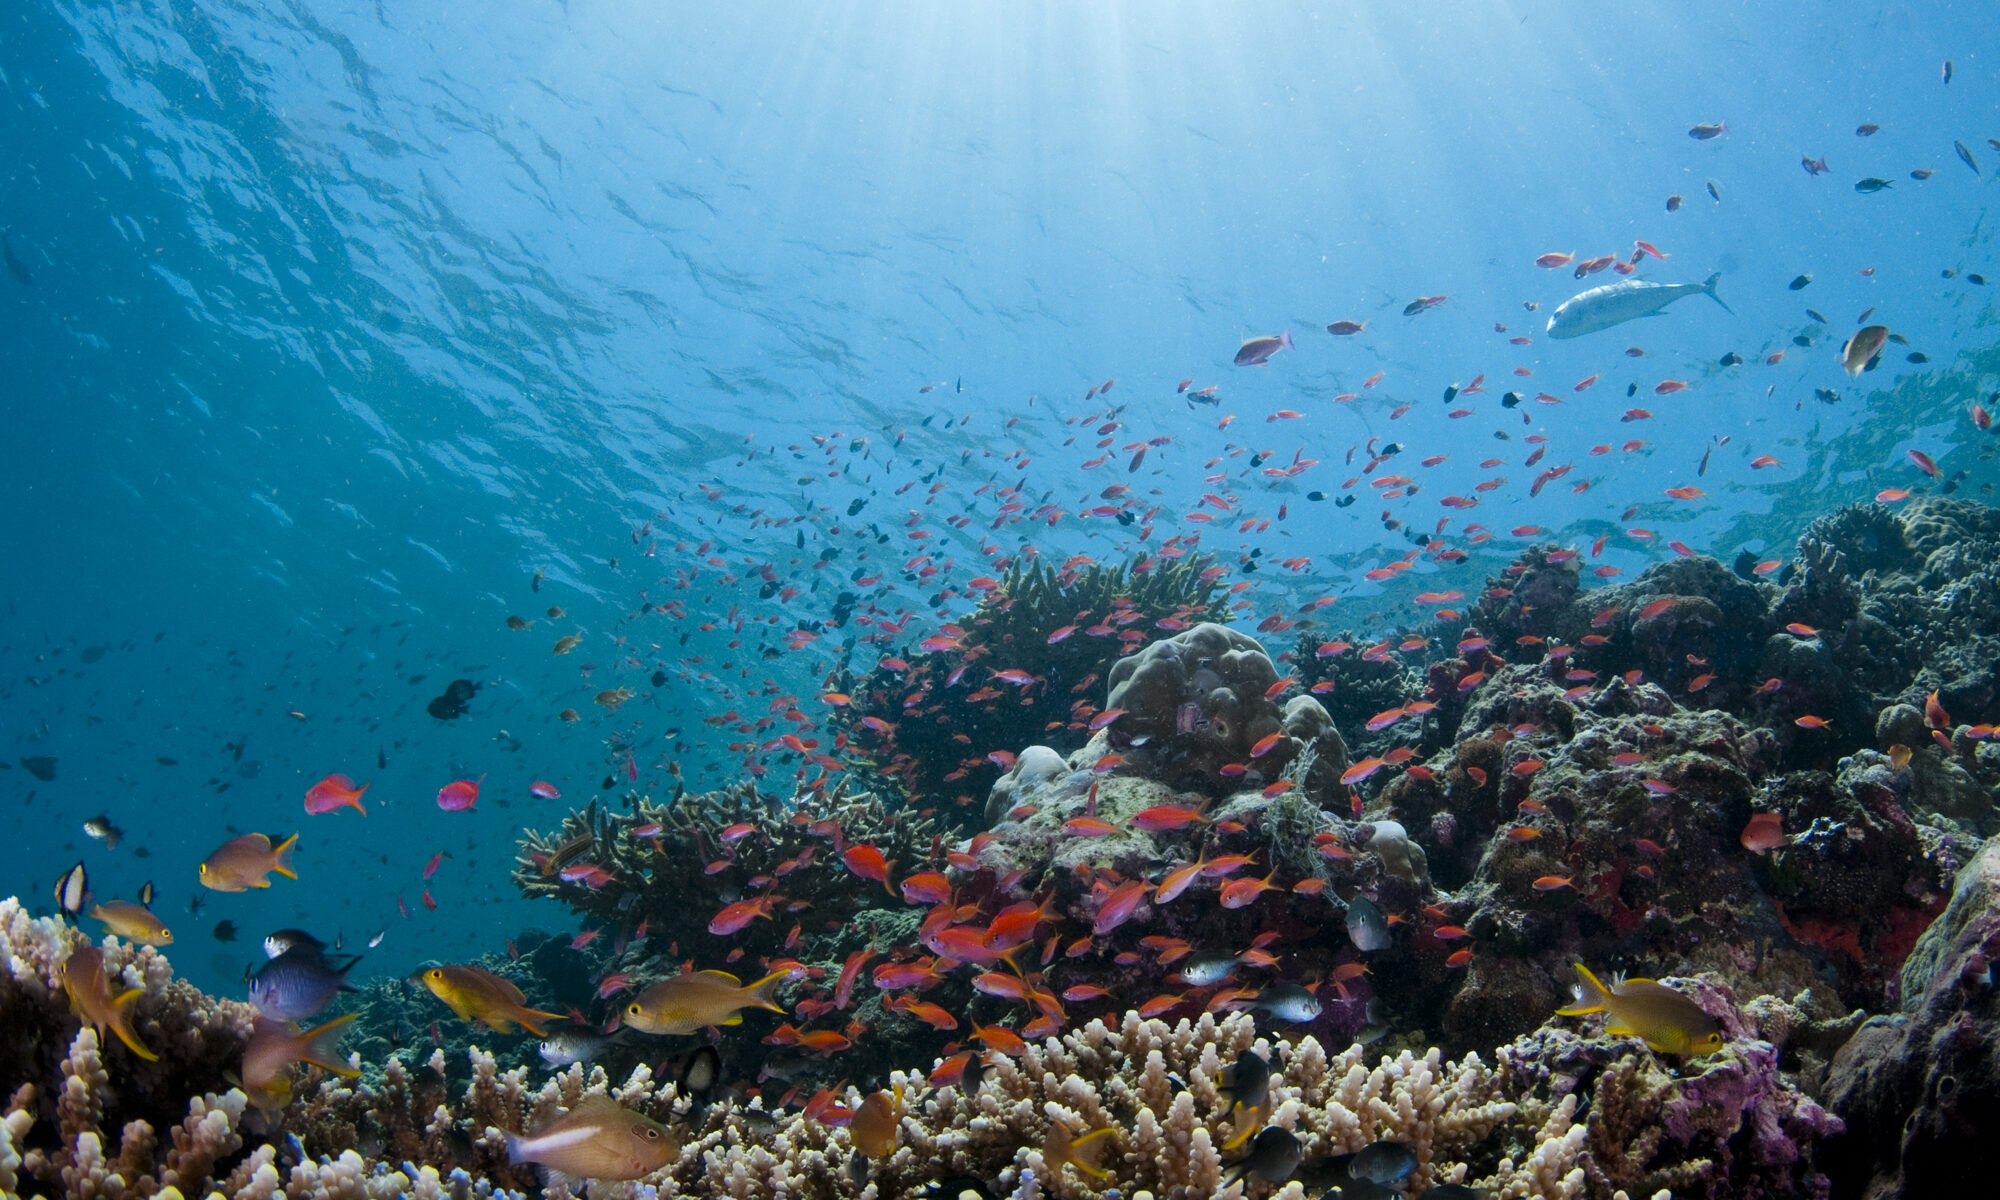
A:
(544, 791)
(335, 791)
(1118, 906)
(459, 795)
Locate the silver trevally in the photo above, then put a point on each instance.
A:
(1617, 303)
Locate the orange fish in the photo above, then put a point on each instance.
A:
(477, 994)
(867, 862)
(91, 998)
(1764, 832)
(1550, 883)
(246, 862)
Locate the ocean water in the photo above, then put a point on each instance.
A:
(329, 326)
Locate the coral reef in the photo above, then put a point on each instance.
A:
(1021, 669)
(1920, 1089)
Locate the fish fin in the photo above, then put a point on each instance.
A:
(1708, 286)
(355, 799)
(1591, 995)
(764, 992)
(721, 975)
(735, 1018)
(281, 859)
(121, 1023)
(317, 1047)
(531, 1019)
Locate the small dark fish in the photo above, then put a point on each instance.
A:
(1980, 280)
(1510, 400)
(1345, 501)
(1386, 1163)
(224, 931)
(1815, 316)
(1315, 496)
(1918, 356)
(1247, 1082)
(146, 893)
(1800, 282)
(1896, 338)
(1702, 133)
(1674, 202)
(1274, 1155)
(1450, 393)
(699, 1072)
(286, 940)
(101, 828)
(855, 505)
(15, 267)
(1826, 394)
(1801, 340)
(1873, 184)
(1256, 351)
(1922, 173)
(1714, 192)
(1631, 390)
(1945, 71)
(1732, 359)
(451, 705)
(41, 766)
(1866, 130)
(298, 984)
(72, 889)
(1367, 928)
(167, 761)
(1948, 273)
(1814, 166)
(1965, 156)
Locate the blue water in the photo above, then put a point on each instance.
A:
(347, 318)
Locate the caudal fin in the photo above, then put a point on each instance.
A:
(320, 1047)
(281, 857)
(1709, 287)
(1591, 996)
(764, 992)
(531, 1019)
(121, 1024)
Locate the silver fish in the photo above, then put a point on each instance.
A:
(1616, 303)
(1290, 1002)
(573, 1046)
(1204, 969)
(1367, 928)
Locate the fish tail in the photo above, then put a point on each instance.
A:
(121, 1024)
(1708, 285)
(531, 1019)
(516, 1154)
(281, 858)
(355, 800)
(1285, 340)
(319, 1047)
(764, 992)
(1592, 996)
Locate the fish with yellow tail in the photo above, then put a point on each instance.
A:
(598, 1139)
(133, 922)
(1663, 1018)
(91, 998)
(477, 994)
(689, 1003)
(272, 1050)
(246, 862)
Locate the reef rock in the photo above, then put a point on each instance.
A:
(1920, 1091)
(1205, 700)
(1033, 768)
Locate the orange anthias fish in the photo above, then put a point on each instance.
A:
(477, 994)
(690, 1003)
(335, 791)
(867, 862)
(598, 1139)
(246, 862)
(273, 1048)
(91, 999)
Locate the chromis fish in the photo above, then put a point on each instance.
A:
(477, 994)
(246, 862)
(568, 1046)
(1247, 1084)
(1367, 928)
(298, 984)
(1863, 349)
(90, 998)
(273, 1048)
(1290, 1002)
(688, 1003)
(1663, 1018)
(133, 922)
(598, 1139)
(1273, 1156)
(285, 940)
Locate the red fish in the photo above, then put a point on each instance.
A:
(459, 795)
(733, 918)
(335, 791)
(1118, 906)
(544, 791)
(867, 862)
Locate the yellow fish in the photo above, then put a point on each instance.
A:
(90, 998)
(476, 994)
(688, 1003)
(598, 1139)
(567, 642)
(1665, 1019)
(273, 1048)
(1060, 1149)
(246, 862)
(877, 1121)
(133, 922)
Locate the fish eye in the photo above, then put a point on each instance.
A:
(650, 1134)
(633, 1008)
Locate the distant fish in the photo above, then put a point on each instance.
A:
(1675, 201)
(335, 791)
(1873, 184)
(1800, 283)
(1601, 308)
(1945, 71)
(1965, 156)
(1814, 166)
(1868, 130)
(101, 828)
(1863, 349)
(1703, 133)
(41, 766)
(72, 890)
(133, 922)
(224, 931)
(459, 795)
(1257, 351)
(452, 704)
